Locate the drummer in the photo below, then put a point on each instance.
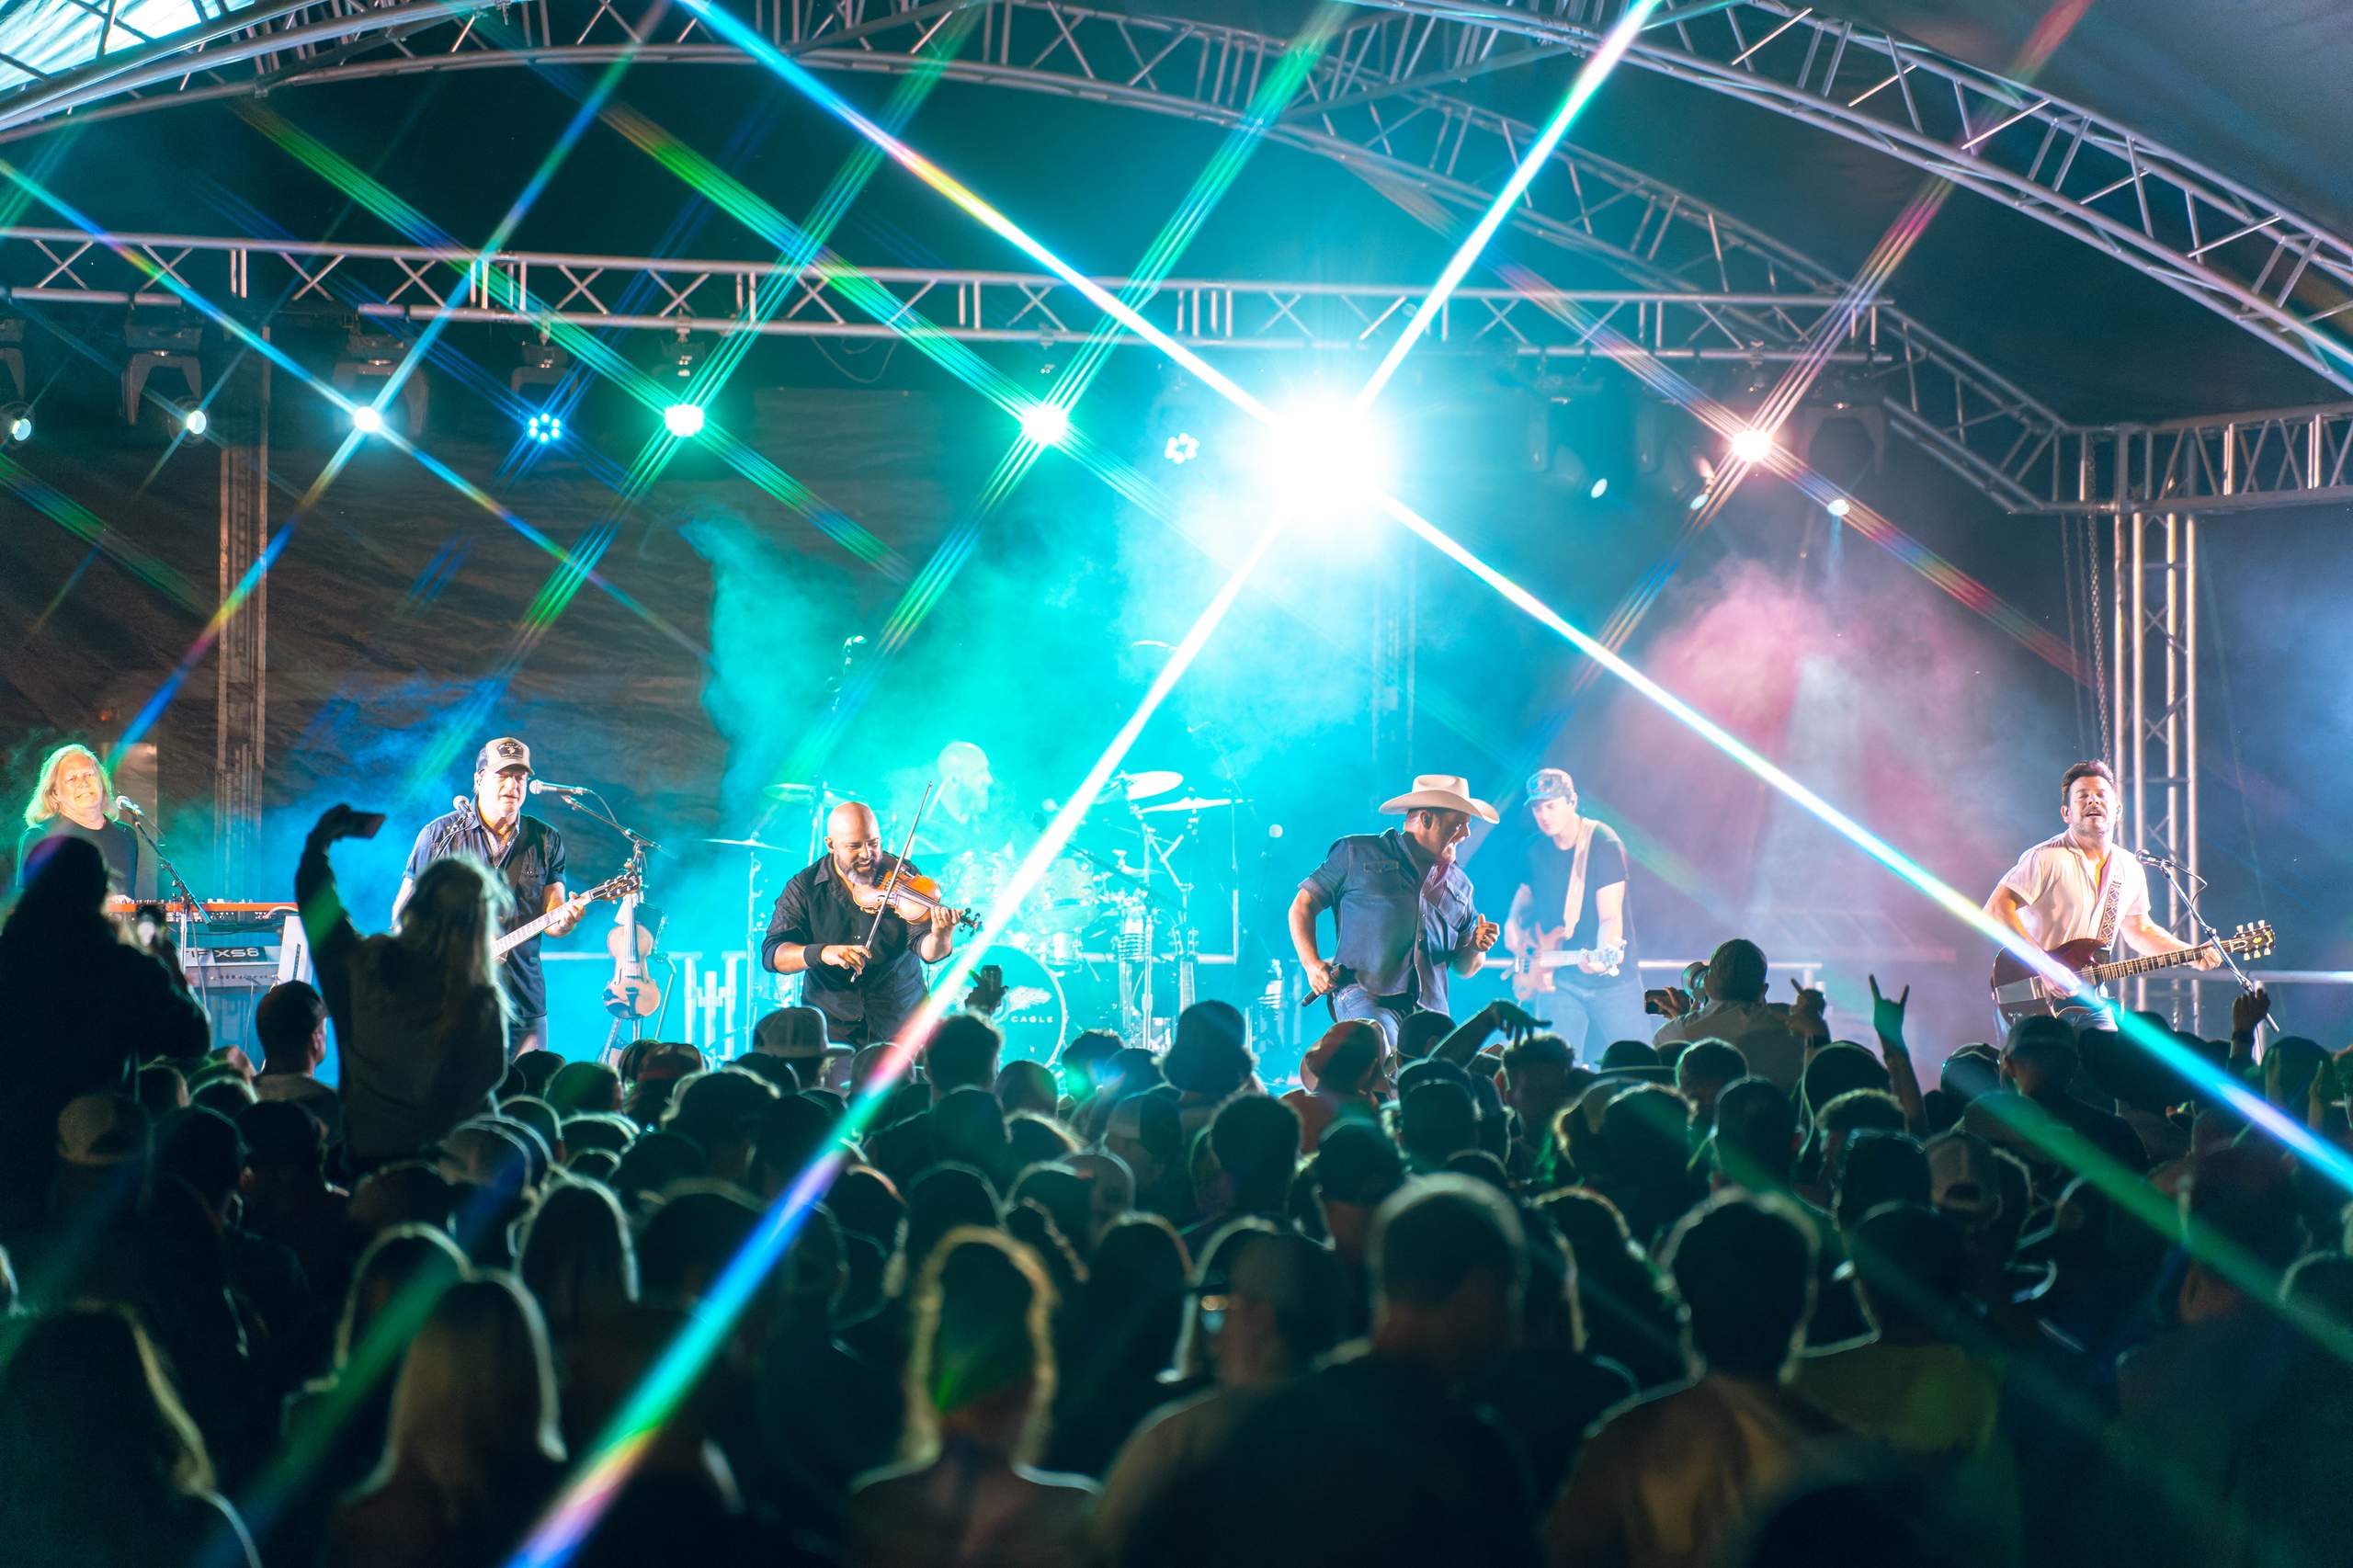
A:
(962, 821)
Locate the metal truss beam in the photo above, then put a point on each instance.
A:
(1372, 105)
(54, 268)
(2221, 464)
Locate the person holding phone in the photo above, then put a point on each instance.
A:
(523, 852)
(420, 1022)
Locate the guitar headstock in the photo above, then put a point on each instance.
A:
(629, 881)
(2251, 941)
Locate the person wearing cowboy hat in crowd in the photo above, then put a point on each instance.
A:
(523, 852)
(1571, 896)
(798, 1035)
(1400, 909)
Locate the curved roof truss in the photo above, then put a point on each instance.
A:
(1407, 137)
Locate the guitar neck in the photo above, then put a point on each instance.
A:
(522, 934)
(2099, 974)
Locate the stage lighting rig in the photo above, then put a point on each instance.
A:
(1322, 460)
(16, 422)
(191, 417)
(1047, 424)
(12, 352)
(674, 372)
(376, 356)
(545, 426)
(165, 340)
(1181, 448)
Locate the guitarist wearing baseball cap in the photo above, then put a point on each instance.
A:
(521, 851)
(1400, 909)
(1571, 909)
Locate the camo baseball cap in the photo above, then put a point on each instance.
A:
(503, 755)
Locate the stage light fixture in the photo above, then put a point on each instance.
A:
(1601, 488)
(17, 420)
(1181, 448)
(193, 419)
(368, 419)
(1046, 424)
(683, 420)
(1839, 507)
(377, 356)
(544, 365)
(544, 427)
(1323, 458)
(164, 340)
(1751, 444)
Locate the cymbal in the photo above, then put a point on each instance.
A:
(1188, 803)
(745, 844)
(1154, 781)
(798, 792)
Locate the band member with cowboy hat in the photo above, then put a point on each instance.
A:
(1400, 908)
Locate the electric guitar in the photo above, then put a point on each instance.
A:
(2021, 992)
(1531, 972)
(614, 886)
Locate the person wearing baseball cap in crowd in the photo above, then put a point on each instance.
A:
(523, 852)
(1402, 909)
(1572, 898)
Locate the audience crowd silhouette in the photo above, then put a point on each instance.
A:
(1459, 1299)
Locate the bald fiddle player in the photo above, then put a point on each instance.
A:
(865, 988)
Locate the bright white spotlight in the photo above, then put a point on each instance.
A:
(544, 427)
(1601, 488)
(1321, 459)
(368, 419)
(18, 420)
(1699, 500)
(1046, 424)
(683, 420)
(196, 421)
(1837, 507)
(1181, 448)
(1751, 444)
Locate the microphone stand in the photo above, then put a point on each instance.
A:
(2207, 934)
(193, 907)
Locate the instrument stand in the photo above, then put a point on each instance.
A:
(2206, 932)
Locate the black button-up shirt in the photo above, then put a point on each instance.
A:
(1388, 909)
(815, 907)
(531, 863)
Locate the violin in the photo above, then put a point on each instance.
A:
(913, 899)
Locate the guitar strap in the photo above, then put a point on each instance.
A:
(2113, 894)
(1572, 907)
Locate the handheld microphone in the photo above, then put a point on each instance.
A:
(124, 803)
(542, 787)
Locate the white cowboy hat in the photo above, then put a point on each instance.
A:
(1439, 792)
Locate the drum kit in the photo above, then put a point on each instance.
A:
(1107, 937)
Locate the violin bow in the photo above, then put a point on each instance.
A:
(900, 864)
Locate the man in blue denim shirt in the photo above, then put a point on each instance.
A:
(1400, 908)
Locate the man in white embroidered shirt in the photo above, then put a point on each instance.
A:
(2082, 883)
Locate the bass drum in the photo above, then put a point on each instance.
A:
(1034, 1016)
